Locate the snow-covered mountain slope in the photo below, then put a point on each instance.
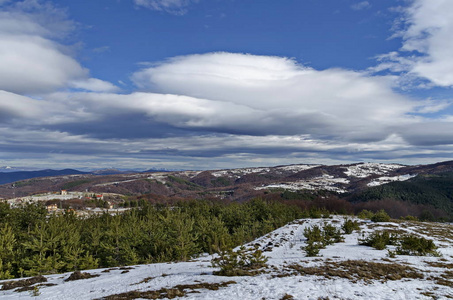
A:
(367, 169)
(386, 179)
(324, 182)
(231, 184)
(344, 270)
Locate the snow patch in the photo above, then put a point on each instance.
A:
(366, 169)
(385, 179)
(238, 173)
(325, 182)
(296, 168)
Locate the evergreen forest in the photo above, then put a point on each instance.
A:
(34, 242)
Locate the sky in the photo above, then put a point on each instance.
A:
(211, 84)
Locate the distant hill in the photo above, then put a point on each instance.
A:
(400, 189)
(10, 177)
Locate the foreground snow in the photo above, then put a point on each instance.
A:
(283, 249)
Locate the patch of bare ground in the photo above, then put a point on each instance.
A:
(446, 279)
(435, 296)
(32, 288)
(241, 272)
(440, 231)
(108, 270)
(77, 275)
(145, 280)
(382, 225)
(440, 264)
(170, 293)
(287, 297)
(9, 285)
(356, 270)
(391, 229)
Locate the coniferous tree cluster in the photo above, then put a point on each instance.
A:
(33, 242)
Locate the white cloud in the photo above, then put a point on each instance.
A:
(32, 64)
(427, 43)
(228, 107)
(14, 106)
(361, 5)
(31, 60)
(94, 85)
(177, 7)
(277, 95)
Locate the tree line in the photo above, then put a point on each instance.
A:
(33, 242)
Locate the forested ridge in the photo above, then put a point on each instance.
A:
(429, 189)
(32, 242)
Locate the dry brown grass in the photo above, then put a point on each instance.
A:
(240, 272)
(287, 297)
(31, 288)
(108, 270)
(170, 293)
(440, 231)
(9, 285)
(438, 264)
(382, 225)
(145, 280)
(77, 275)
(356, 270)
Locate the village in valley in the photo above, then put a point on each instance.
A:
(81, 203)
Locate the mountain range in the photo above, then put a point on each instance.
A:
(422, 185)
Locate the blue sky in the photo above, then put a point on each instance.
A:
(205, 84)
(322, 34)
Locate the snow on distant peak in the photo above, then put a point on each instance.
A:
(296, 168)
(240, 172)
(244, 171)
(366, 169)
(385, 179)
(325, 182)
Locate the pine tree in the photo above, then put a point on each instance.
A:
(7, 244)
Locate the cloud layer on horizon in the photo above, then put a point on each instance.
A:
(216, 109)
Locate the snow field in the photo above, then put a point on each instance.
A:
(283, 248)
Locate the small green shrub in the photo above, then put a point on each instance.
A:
(315, 241)
(391, 254)
(331, 235)
(406, 245)
(318, 238)
(409, 218)
(418, 246)
(379, 240)
(365, 214)
(313, 234)
(349, 226)
(35, 292)
(380, 216)
(312, 249)
(243, 262)
(315, 213)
